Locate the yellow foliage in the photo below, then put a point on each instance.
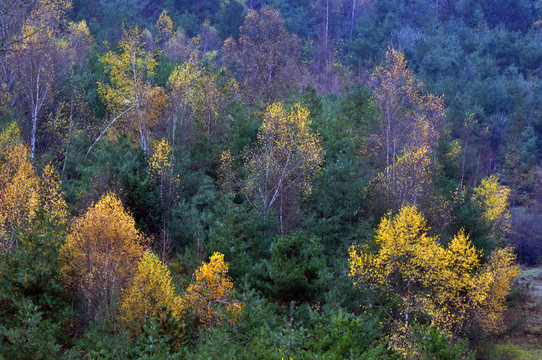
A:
(149, 290)
(164, 27)
(22, 192)
(50, 13)
(501, 267)
(286, 157)
(50, 196)
(198, 95)
(9, 137)
(19, 187)
(449, 285)
(411, 116)
(160, 162)
(406, 180)
(209, 292)
(76, 41)
(101, 252)
(130, 93)
(492, 197)
(226, 172)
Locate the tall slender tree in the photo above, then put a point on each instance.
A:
(130, 95)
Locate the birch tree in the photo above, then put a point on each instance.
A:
(449, 286)
(265, 58)
(130, 95)
(285, 159)
(101, 253)
(34, 68)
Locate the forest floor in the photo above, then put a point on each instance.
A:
(523, 340)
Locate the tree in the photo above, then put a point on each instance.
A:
(297, 268)
(130, 95)
(13, 15)
(409, 180)
(198, 98)
(101, 253)
(19, 198)
(34, 305)
(181, 47)
(285, 159)
(411, 118)
(161, 170)
(160, 163)
(209, 37)
(51, 197)
(33, 59)
(22, 192)
(447, 285)
(265, 58)
(164, 27)
(10, 136)
(150, 289)
(209, 292)
(73, 47)
(34, 68)
(492, 199)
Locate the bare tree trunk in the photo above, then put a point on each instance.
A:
(352, 22)
(34, 127)
(69, 136)
(326, 57)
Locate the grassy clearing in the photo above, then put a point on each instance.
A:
(522, 341)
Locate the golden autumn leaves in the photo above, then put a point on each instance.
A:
(282, 164)
(448, 285)
(107, 261)
(426, 281)
(104, 258)
(22, 192)
(411, 119)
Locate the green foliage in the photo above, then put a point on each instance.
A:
(161, 338)
(35, 311)
(237, 233)
(32, 337)
(432, 344)
(297, 268)
(100, 341)
(116, 165)
(485, 62)
(230, 18)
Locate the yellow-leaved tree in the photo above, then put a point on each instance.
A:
(492, 198)
(160, 162)
(411, 117)
(129, 95)
(149, 290)
(410, 121)
(19, 186)
(449, 286)
(209, 293)
(284, 161)
(101, 253)
(51, 197)
(22, 191)
(198, 100)
(409, 179)
(161, 171)
(164, 27)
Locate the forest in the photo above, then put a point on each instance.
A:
(270, 179)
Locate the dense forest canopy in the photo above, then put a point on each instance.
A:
(267, 179)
